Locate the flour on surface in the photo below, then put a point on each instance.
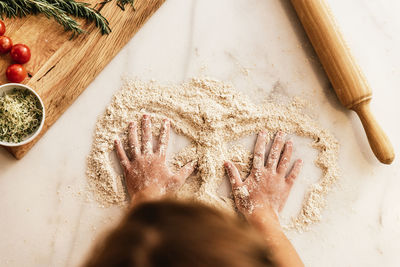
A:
(211, 114)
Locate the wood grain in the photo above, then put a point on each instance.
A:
(377, 138)
(60, 68)
(349, 83)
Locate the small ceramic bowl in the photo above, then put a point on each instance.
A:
(10, 86)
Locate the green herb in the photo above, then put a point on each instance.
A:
(20, 115)
(82, 10)
(61, 11)
(122, 3)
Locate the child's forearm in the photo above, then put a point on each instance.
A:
(280, 250)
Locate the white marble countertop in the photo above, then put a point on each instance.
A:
(45, 221)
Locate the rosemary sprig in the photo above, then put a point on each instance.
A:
(82, 10)
(122, 3)
(49, 10)
(22, 8)
(60, 10)
(12, 9)
(7, 10)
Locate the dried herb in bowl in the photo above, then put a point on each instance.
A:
(20, 115)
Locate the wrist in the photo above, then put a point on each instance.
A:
(264, 218)
(145, 195)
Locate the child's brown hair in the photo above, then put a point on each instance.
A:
(171, 233)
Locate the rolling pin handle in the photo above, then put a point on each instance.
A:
(346, 77)
(377, 138)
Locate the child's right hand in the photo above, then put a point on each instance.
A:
(266, 189)
(147, 175)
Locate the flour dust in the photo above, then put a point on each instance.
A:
(212, 115)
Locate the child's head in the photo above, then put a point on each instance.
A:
(170, 233)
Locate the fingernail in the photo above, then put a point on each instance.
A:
(116, 142)
(146, 116)
(131, 125)
(263, 133)
(280, 134)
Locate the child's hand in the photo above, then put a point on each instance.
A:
(146, 174)
(267, 188)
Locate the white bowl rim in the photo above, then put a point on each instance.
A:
(39, 129)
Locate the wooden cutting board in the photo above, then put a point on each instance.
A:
(60, 68)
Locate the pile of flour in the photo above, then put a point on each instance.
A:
(211, 114)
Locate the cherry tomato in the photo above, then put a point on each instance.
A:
(2, 27)
(20, 53)
(5, 44)
(16, 73)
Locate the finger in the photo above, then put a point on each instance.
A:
(164, 138)
(122, 157)
(233, 174)
(185, 172)
(285, 158)
(294, 172)
(147, 138)
(133, 139)
(259, 151)
(275, 152)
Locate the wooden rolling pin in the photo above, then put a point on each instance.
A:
(343, 72)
